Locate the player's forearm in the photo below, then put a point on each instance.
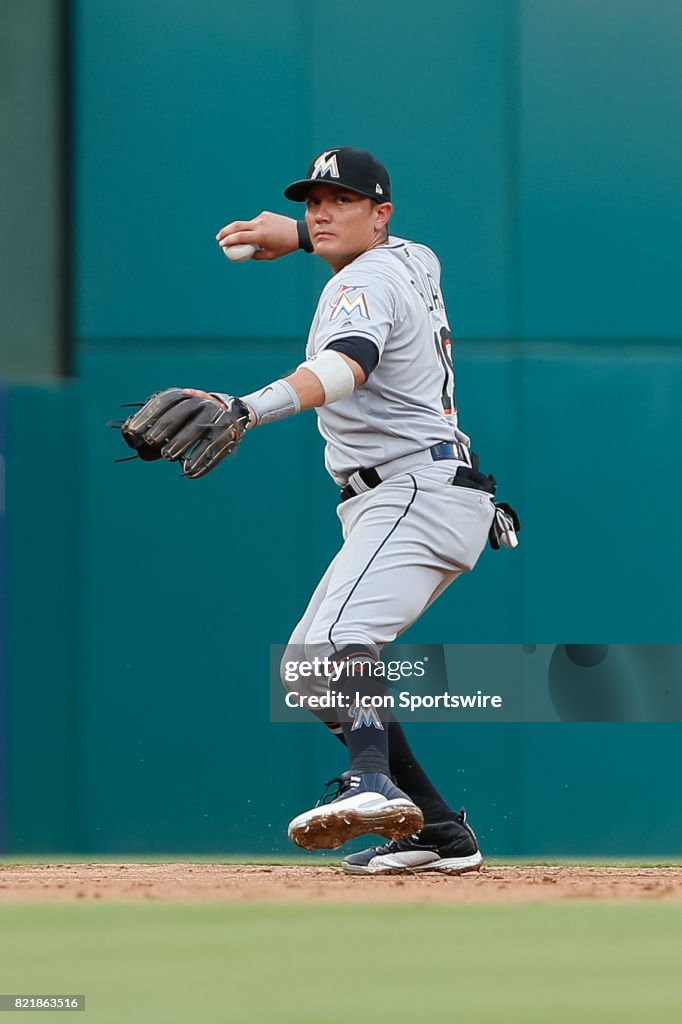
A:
(273, 235)
(320, 381)
(308, 388)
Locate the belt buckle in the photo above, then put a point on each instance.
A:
(442, 450)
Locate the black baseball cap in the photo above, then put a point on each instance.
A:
(353, 169)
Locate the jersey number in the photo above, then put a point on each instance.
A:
(443, 343)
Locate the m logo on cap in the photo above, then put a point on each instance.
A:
(326, 164)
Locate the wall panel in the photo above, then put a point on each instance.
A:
(601, 162)
(187, 117)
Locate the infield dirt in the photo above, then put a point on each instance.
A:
(276, 884)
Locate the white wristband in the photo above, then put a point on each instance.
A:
(333, 373)
(275, 401)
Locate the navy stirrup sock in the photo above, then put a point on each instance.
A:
(362, 721)
(413, 780)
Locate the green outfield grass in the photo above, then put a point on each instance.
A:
(261, 963)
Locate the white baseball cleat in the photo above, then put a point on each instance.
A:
(364, 802)
(449, 847)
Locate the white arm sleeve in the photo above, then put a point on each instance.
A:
(333, 373)
(276, 401)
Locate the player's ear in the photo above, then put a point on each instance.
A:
(383, 212)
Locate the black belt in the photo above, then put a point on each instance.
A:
(466, 476)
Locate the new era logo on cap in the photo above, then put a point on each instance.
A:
(349, 168)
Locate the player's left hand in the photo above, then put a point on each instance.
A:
(188, 426)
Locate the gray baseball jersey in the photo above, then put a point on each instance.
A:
(408, 539)
(390, 295)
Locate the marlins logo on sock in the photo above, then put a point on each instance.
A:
(365, 716)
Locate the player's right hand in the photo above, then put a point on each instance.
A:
(275, 234)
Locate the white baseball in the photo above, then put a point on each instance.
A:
(238, 253)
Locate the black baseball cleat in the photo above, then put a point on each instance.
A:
(448, 846)
(363, 802)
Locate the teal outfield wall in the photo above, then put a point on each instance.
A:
(42, 714)
(534, 145)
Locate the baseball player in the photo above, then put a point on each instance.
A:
(415, 511)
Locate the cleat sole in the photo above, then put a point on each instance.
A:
(324, 829)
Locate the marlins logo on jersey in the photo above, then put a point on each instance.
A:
(344, 301)
(326, 165)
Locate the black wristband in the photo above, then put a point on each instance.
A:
(303, 236)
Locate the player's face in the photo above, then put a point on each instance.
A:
(344, 224)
